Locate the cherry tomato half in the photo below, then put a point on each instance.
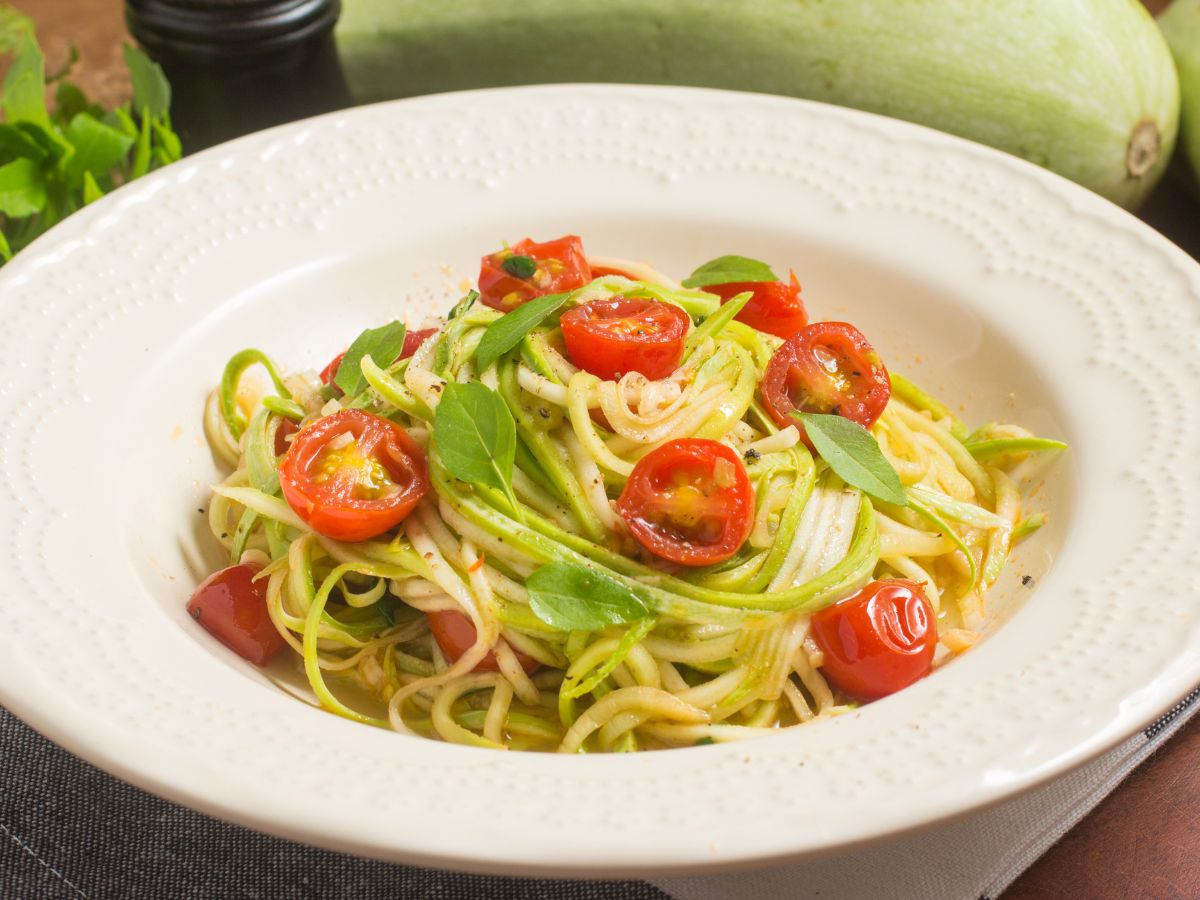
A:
(878, 640)
(616, 335)
(775, 308)
(455, 635)
(689, 501)
(232, 607)
(365, 483)
(526, 270)
(826, 367)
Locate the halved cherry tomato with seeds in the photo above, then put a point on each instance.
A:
(616, 335)
(455, 635)
(826, 367)
(689, 501)
(878, 640)
(232, 607)
(526, 270)
(775, 308)
(352, 476)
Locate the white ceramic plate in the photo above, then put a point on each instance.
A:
(998, 285)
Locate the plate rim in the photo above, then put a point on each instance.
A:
(57, 243)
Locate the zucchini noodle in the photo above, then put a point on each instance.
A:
(724, 651)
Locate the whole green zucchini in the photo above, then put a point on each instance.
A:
(1181, 24)
(1084, 87)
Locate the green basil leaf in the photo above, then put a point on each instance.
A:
(24, 97)
(22, 188)
(476, 436)
(508, 330)
(519, 266)
(382, 344)
(151, 91)
(728, 269)
(98, 147)
(572, 597)
(854, 455)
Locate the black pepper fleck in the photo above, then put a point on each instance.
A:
(751, 455)
(1027, 580)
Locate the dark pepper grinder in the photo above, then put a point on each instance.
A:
(236, 66)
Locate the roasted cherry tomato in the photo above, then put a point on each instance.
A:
(775, 308)
(689, 501)
(330, 371)
(826, 367)
(455, 634)
(878, 640)
(352, 476)
(232, 607)
(625, 334)
(414, 339)
(283, 431)
(526, 270)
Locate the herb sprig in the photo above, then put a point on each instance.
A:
(56, 159)
(854, 455)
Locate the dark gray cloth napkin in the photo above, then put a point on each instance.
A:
(70, 831)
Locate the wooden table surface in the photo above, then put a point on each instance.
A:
(1143, 841)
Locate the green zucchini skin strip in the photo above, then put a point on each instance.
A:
(985, 450)
(917, 398)
(227, 392)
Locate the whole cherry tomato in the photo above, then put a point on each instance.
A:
(826, 367)
(878, 640)
(351, 475)
(526, 270)
(775, 308)
(689, 501)
(616, 335)
(455, 635)
(232, 607)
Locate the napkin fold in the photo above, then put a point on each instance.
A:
(68, 830)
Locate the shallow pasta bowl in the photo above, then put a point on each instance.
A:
(1005, 289)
